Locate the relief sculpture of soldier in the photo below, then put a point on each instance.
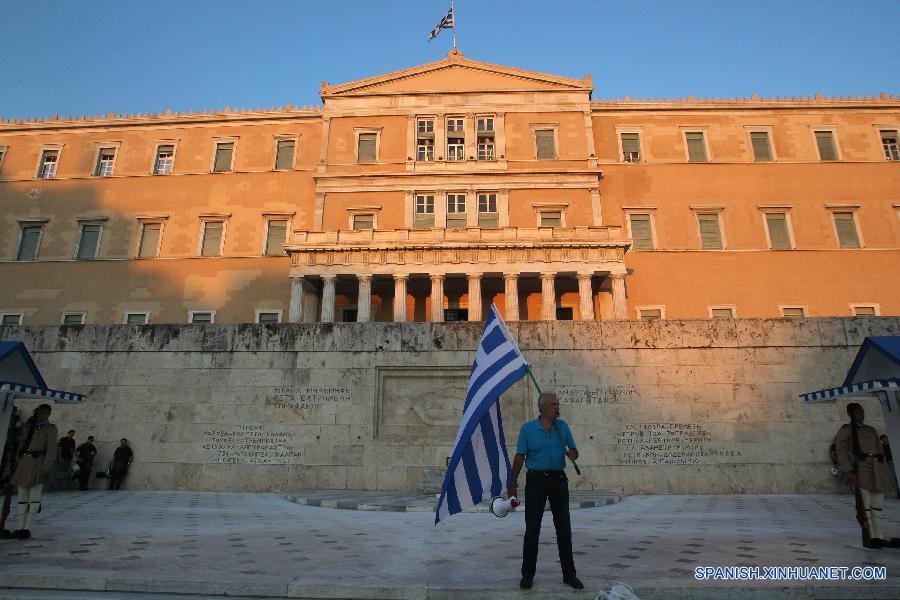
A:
(861, 459)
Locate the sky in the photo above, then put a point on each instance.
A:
(90, 57)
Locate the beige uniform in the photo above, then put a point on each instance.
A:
(32, 470)
(874, 472)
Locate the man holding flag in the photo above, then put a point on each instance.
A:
(542, 447)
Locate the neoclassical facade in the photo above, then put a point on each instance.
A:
(428, 193)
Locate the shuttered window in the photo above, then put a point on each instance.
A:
(424, 211)
(363, 222)
(224, 153)
(864, 311)
(710, 232)
(276, 234)
(650, 313)
(284, 155)
(28, 244)
(201, 317)
(11, 320)
(366, 147)
(793, 312)
(888, 142)
(545, 143)
(137, 318)
(149, 246)
(696, 146)
(825, 142)
(212, 238)
(779, 238)
(722, 313)
(845, 225)
(268, 317)
(165, 159)
(106, 159)
(631, 147)
(762, 150)
(49, 161)
(73, 319)
(2, 155)
(456, 210)
(551, 218)
(641, 232)
(89, 242)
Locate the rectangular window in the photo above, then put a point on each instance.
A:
(456, 210)
(148, 247)
(710, 231)
(425, 140)
(551, 218)
(864, 311)
(484, 133)
(268, 317)
(29, 241)
(845, 225)
(212, 238)
(363, 222)
(165, 159)
(564, 313)
(545, 144)
(696, 146)
(424, 216)
(456, 139)
(137, 318)
(284, 155)
(106, 159)
(2, 156)
(487, 210)
(49, 161)
(721, 313)
(224, 156)
(631, 147)
(485, 126)
(485, 148)
(825, 143)
(762, 149)
(200, 317)
(11, 319)
(650, 313)
(366, 148)
(73, 318)
(641, 231)
(779, 237)
(276, 234)
(89, 241)
(793, 312)
(888, 142)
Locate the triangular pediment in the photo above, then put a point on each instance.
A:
(456, 74)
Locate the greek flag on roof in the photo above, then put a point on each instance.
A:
(446, 23)
(479, 466)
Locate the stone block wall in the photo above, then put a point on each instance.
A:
(705, 406)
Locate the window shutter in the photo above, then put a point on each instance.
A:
(223, 157)
(367, 147)
(846, 230)
(710, 234)
(722, 313)
(202, 317)
(778, 231)
(363, 222)
(762, 151)
(29, 245)
(631, 147)
(268, 317)
(284, 158)
(641, 232)
(864, 311)
(551, 219)
(696, 147)
(795, 312)
(546, 149)
(149, 240)
(276, 234)
(825, 141)
(90, 237)
(73, 319)
(651, 313)
(136, 319)
(212, 238)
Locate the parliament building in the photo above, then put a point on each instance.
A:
(428, 193)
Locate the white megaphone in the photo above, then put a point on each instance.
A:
(501, 506)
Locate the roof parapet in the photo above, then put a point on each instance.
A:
(754, 100)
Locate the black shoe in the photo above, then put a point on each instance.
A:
(22, 534)
(5, 534)
(875, 543)
(526, 582)
(892, 542)
(574, 582)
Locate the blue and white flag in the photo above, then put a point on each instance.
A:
(446, 23)
(479, 466)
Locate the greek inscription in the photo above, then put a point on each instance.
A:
(250, 444)
(308, 398)
(670, 444)
(587, 396)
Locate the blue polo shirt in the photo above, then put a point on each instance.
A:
(544, 450)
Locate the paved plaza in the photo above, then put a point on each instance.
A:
(131, 545)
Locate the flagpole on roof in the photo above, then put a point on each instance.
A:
(453, 12)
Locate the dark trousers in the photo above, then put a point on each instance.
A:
(117, 475)
(539, 486)
(84, 475)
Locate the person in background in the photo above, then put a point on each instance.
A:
(65, 451)
(86, 454)
(121, 461)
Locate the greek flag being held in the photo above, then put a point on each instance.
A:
(479, 466)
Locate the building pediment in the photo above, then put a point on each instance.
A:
(457, 74)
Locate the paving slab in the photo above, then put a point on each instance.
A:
(406, 502)
(193, 544)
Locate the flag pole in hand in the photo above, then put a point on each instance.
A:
(558, 432)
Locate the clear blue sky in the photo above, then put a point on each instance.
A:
(88, 57)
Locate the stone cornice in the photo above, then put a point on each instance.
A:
(881, 101)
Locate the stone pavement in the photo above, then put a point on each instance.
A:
(405, 502)
(196, 544)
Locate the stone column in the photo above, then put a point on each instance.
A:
(548, 297)
(364, 299)
(511, 282)
(586, 296)
(400, 298)
(620, 311)
(298, 289)
(437, 298)
(474, 296)
(328, 299)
